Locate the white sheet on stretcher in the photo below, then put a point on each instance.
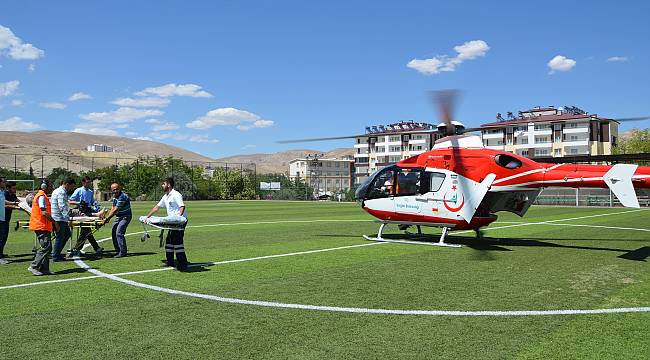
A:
(173, 220)
(84, 218)
(24, 206)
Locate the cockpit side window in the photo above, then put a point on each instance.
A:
(408, 181)
(437, 179)
(507, 161)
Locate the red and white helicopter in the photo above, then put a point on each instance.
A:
(461, 185)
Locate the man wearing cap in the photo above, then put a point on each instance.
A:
(61, 214)
(84, 198)
(41, 222)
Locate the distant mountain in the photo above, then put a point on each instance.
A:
(68, 149)
(279, 162)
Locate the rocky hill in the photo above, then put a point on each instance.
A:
(279, 162)
(68, 150)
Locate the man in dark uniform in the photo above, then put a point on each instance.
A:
(10, 197)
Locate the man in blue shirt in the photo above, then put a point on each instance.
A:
(84, 198)
(122, 212)
(61, 214)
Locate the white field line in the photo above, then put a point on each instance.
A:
(201, 264)
(273, 304)
(516, 224)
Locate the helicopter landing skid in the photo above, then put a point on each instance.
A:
(441, 241)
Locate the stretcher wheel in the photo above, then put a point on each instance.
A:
(144, 237)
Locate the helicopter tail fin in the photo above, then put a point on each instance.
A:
(619, 180)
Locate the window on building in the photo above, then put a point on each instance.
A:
(509, 141)
(574, 151)
(557, 152)
(541, 139)
(394, 138)
(558, 138)
(542, 127)
(574, 138)
(523, 140)
(524, 152)
(541, 152)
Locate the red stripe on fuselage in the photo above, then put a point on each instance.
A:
(459, 224)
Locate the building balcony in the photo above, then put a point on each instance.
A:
(538, 145)
(359, 146)
(494, 147)
(492, 136)
(578, 130)
(417, 141)
(575, 143)
(543, 132)
(361, 155)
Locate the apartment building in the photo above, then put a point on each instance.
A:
(387, 144)
(325, 175)
(550, 131)
(99, 148)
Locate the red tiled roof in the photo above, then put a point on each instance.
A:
(545, 118)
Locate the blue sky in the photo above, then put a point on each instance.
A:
(232, 77)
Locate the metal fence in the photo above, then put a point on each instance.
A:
(196, 179)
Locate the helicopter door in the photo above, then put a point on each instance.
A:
(408, 190)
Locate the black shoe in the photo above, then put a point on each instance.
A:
(58, 259)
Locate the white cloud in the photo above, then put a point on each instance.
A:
(146, 138)
(13, 47)
(142, 102)
(18, 124)
(130, 133)
(184, 137)
(121, 126)
(203, 139)
(171, 89)
(79, 96)
(94, 129)
(168, 126)
(16, 102)
(9, 87)
(244, 120)
(31, 68)
(53, 105)
(121, 115)
(248, 146)
(256, 125)
(561, 63)
(437, 64)
(618, 59)
(153, 121)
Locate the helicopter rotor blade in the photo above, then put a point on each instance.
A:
(445, 101)
(637, 118)
(318, 139)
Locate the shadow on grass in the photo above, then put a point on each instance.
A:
(640, 254)
(488, 244)
(70, 271)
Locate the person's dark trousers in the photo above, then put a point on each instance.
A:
(42, 260)
(174, 245)
(62, 237)
(119, 230)
(4, 235)
(86, 234)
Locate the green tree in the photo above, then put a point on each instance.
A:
(638, 142)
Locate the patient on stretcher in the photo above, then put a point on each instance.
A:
(173, 220)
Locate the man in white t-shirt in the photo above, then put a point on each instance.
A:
(172, 200)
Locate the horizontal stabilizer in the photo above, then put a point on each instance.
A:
(619, 180)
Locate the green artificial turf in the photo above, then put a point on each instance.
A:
(520, 265)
